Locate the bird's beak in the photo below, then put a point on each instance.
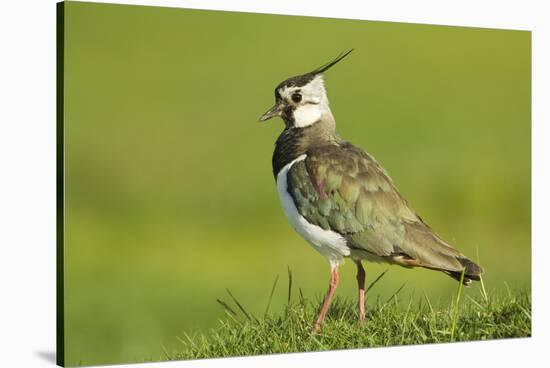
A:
(271, 113)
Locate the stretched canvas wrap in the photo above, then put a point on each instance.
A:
(185, 232)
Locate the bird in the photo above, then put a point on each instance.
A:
(341, 200)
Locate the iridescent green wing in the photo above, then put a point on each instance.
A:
(341, 188)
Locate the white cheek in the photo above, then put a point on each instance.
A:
(306, 115)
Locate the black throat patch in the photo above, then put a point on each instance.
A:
(294, 142)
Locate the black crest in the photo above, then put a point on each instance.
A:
(330, 64)
(302, 80)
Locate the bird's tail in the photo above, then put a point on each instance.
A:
(424, 248)
(472, 271)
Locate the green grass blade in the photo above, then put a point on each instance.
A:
(483, 290)
(371, 285)
(455, 314)
(226, 307)
(166, 352)
(289, 285)
(474, 302)
(271, 296)
(429, 304)
(246, 314)
(302, 299)
(395, 294)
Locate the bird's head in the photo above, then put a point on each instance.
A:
(302, 100)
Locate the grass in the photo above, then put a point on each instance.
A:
(388, 323)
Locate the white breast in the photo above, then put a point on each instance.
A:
(329, 243)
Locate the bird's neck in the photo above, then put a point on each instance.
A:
(295, 141)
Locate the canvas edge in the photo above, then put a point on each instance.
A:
(60, 200)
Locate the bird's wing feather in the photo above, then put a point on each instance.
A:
(341, 188)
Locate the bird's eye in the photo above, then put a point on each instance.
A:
(296, 97)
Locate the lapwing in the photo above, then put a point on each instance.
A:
(341, 200)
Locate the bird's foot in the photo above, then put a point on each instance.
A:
(316, 328)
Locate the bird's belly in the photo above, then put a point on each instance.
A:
(329, 243)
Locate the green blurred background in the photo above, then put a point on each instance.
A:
(170, 197)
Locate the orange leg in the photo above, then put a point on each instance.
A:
(334, 279)
(361, 287)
